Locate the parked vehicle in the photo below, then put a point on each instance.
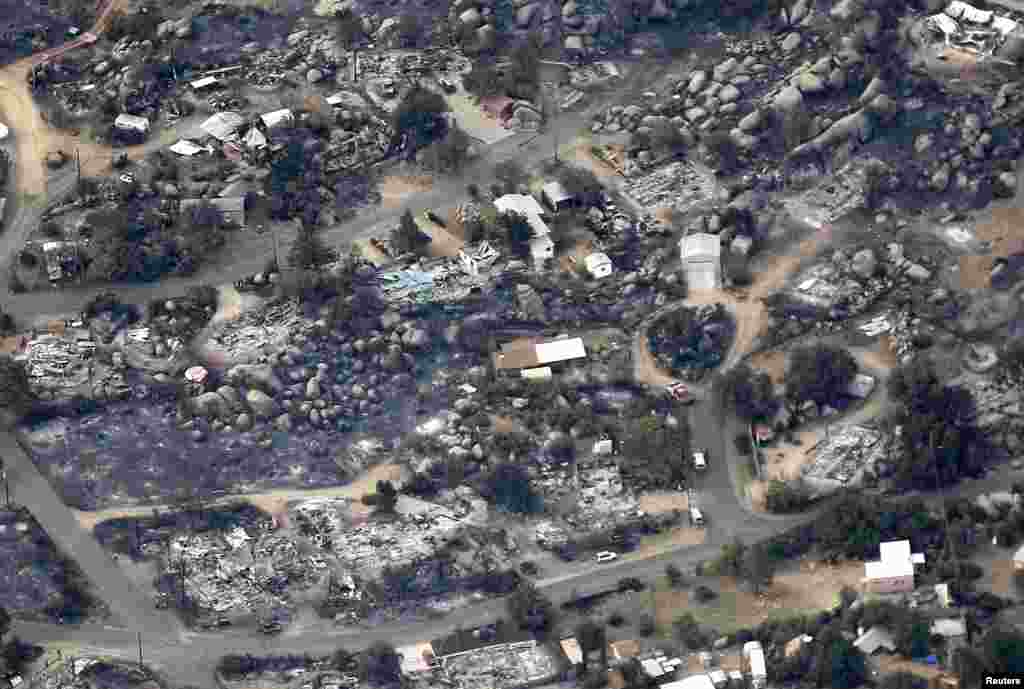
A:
(447, 85)
(680, 393)
(606, 556)
(700, 460)
(696, 516)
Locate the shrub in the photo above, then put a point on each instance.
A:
(704, 594)
(786, 496)
(616, 619)
(645, 625)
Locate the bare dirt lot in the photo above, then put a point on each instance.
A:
(814, 587)
(396, 189)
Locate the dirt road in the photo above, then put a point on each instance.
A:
(747, 308)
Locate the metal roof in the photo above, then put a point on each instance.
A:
(571, 649)
(896, 561)
(702, 275)
(132, 122)
(691, 682)
(700, 247)
(204, 82)
(555, 192)
(560, 350)
(874, 639)
(186, 148)
(519, 203)
(273, 119)
(223, 125)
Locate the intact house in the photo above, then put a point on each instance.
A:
(556, 196)
(701, 254)
(533, 355)
(894, 572)
(542, 247)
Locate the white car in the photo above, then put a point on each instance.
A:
(606, 556)
(127, 178)
(700, 460)
(696, 516)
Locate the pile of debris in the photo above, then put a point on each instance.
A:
(602, 500)
(999, 415)
(844, 457)
(680, 186)
(234, 574)
(503, 666)
(367, 547)
(260, 331)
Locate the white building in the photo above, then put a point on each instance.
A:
(1018, 559)
(701, 254)
(132, 123)
(223, 125)
(541, 246)
(691, 682)
(277, 118)
(894, 572)
(753, 663)
(598, 265)
(534, 354)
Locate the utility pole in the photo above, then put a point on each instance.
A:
(140, 648)
(277, 257)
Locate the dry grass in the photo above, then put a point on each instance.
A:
(773, 363)
(890, 664)
(815, 587)
(658, 502)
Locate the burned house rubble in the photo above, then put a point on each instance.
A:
(845, 457)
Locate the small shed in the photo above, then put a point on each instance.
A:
(132, 123)
(598, 265)
(186, 148)
(204, 83)
(701, 256)
(277, 118)
(556, 196)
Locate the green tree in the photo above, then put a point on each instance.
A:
(15, 390)
(407, 237)
(420, 115)
(591, 637)
(349, 28)
(510, 173)
(582, 184)
(820, 373)
(837, 663)
(517, 231)
(902, 680)
(940, 440)
(528, 608)
(748, 392)
(309, 251)
(387, 497)
(654, 450)
(758, 567)
(673, 574)
(1002, 650)
(380, 665)
(5, 623)
(508, 485)
(408, 30)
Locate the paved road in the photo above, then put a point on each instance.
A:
(194, 656)
(29, 488)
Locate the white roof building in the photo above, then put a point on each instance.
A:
(691, 682)
(542, 248)
(519, 203)
(598, 264)
(133, 122)
(203, 83)
(277, 118)
(223, 125)
(874, 639)
(560, 350)
(701, 256)
(896, 561)
(949, 628)
(186, 148)
(1018, 558)
(571, 649)
(969, 13)
(254, 139)
(555, 194)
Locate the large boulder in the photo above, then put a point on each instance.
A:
(788, 99)
(262, 404)
(259, 376)
(210, 405)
